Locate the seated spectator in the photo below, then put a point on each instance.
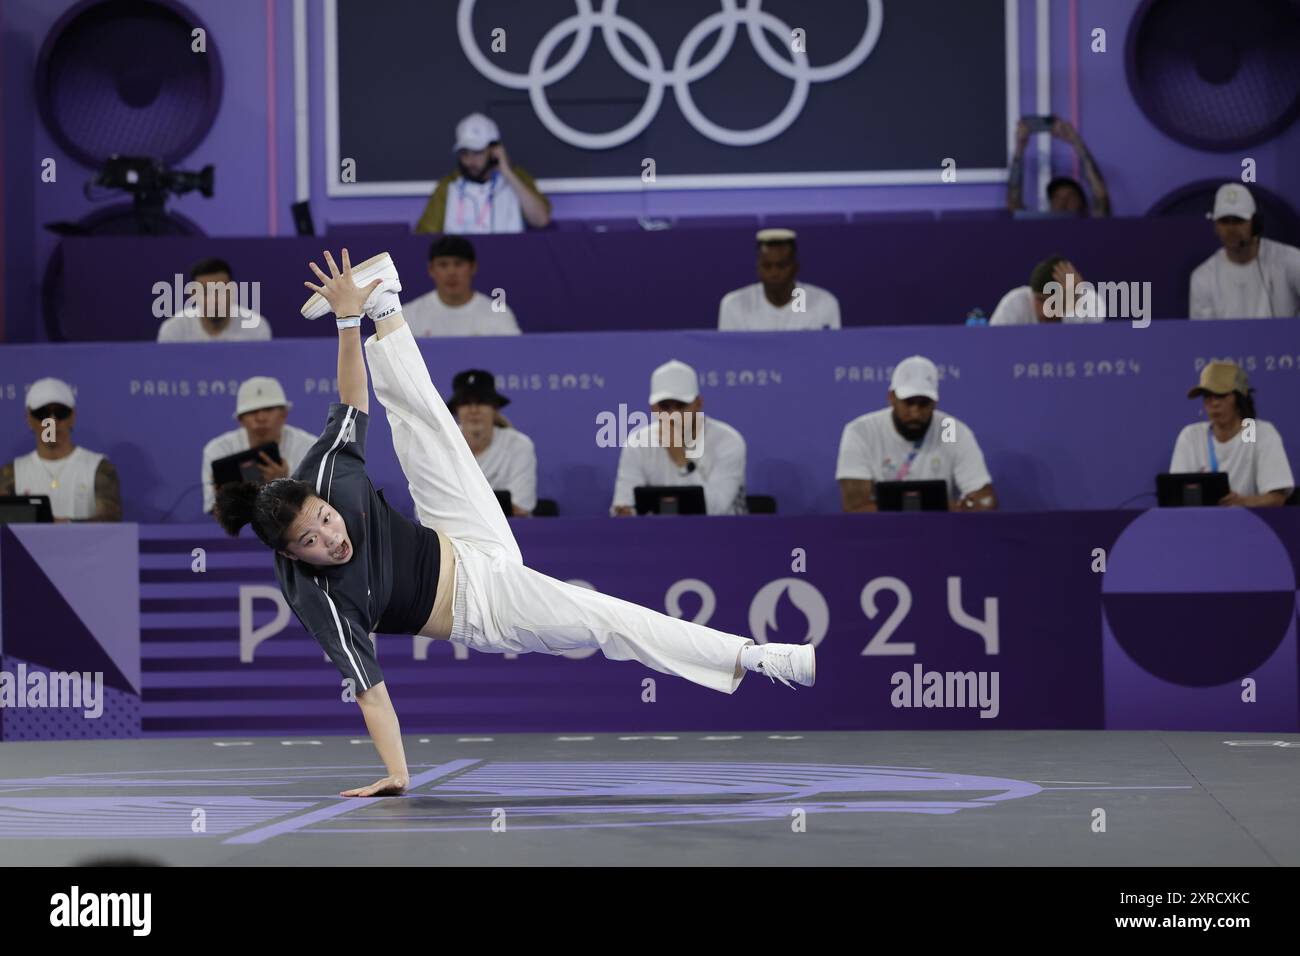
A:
(903, 443)
(1250, 277)
(1259, 474)
(453, 307)
(485, 193)
(681, 446)
(262, 412)
(217, 316)
(775, 302)
(1036, 302)
(505, 455)
(82, 484)
(1064, 195)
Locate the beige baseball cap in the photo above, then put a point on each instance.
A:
(1220, 378)
(260, 391)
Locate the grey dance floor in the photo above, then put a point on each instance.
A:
(752, 798)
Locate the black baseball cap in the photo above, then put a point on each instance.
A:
(475, 385)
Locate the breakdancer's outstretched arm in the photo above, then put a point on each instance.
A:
(354, 390)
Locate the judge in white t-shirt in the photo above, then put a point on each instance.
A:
(1250, 277)
(82, 484)
(1056, 293)
(505, 455)
(682, 446)
(912, 440)
(262, 412)
(777, 302)
(217, 315)
(1233, 440)
(453, 307)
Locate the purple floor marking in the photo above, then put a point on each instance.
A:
(345, 805)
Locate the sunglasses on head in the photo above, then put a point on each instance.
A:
(53, 410)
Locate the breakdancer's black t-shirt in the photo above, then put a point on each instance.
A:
(340, 605)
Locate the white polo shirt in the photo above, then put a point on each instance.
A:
(294, 444)
(720, 468)
(1266, 287)
(1253, 468)
(188, 327)
(428, 315)
(510, 464)
(871, 449)
(1017, 308)
(748, 310)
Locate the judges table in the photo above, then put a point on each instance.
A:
(1173, 619)
(1067, 416)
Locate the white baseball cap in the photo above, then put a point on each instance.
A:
(1233, 199)
(474, 132)
(47, 390)
(915, 375)
(674, 380)
(260, 391)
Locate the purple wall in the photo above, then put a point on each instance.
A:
(1139, 647)
(1140, 163)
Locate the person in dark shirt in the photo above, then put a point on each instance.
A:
(349, 564)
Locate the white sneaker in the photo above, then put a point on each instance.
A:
(797, 662)
(376, 267)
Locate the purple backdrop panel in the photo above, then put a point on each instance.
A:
(69, 631)
(884, 273)
(901, 607)
(1067, 417)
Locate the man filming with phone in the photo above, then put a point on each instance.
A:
(485, 193)
(1065, 196)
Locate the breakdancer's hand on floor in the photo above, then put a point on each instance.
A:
(388, 787)
(338, 288)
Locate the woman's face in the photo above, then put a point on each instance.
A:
(319, 536)
(1220, 409)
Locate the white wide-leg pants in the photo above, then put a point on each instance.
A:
(500, 605)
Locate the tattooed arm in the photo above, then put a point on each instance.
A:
(7, 479)
(1100, 198)
(108, 496)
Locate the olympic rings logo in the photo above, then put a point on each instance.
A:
(653, 73)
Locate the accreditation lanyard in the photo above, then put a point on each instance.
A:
(1209, 444)
(907, 465)
(484, 213)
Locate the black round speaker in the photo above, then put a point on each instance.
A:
(1278, 220)
(120, 219)
(1216, 74)
(122, 76)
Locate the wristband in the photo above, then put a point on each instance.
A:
(348, 322)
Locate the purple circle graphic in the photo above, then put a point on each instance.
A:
(1199, 596)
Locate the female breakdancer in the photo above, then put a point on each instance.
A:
(349, 564)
